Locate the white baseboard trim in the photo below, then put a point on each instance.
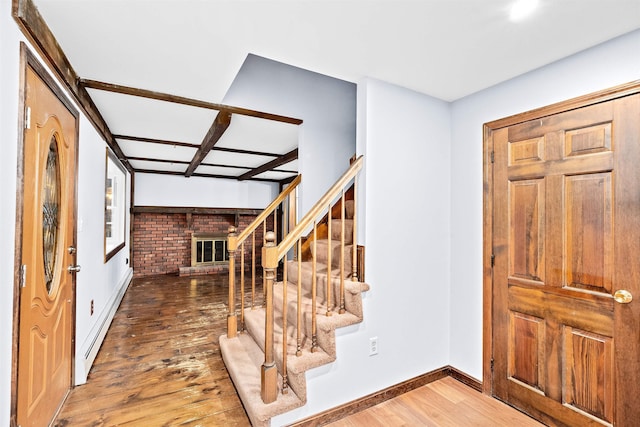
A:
(92, 345)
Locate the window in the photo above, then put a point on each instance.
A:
(207, 249)
(114, 207)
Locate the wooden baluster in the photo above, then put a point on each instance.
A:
(314, 284)
(354, 259)
(264, 279)
(242, 286)
(232, 322)
(275, 221)
(269, 371)
(342, 259)
(285, 302)
(293, 219)
(253, 270)
(299, 302)
(329, 253)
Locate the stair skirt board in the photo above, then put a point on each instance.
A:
(373, 399)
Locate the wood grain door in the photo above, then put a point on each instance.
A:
(566, 241)
(48, 241)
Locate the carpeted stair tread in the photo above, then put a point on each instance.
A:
(325, 323)
(353, 290)
(254, 323)
(349, 209)
(336, 230)
(243, 359)
(321, 253)
(296, 365)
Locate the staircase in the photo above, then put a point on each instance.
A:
(294, 330)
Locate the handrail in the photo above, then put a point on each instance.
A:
(268, 210)
(295, 234)
(271, 256)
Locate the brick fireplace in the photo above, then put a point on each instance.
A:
(162, 238)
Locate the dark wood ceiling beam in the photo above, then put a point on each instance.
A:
(36, 29)
(186, 144)
(155, 141)
(217, 129)
(159, 96)
(286, 158)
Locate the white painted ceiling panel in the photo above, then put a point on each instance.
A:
(148, 118)
(251, 133)
(274, 175)
(157, 166)
(291, 166)
(215, 170)
(235, 159)
(157, 151)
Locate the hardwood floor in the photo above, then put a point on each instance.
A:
(160, 365)
(443, 403)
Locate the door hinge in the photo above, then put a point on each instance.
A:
(491, 365)
(493, 260)
(493, 157)
(23, 276)
(27, 118)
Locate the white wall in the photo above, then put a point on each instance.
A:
(326, 105)
(406, 138)
(9, 58)
(98, 280)
(610, 64)
(169, 190)
(101, 282)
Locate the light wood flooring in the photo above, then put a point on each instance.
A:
(160, 365)
(443, 403)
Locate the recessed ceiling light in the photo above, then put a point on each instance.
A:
(522, 8)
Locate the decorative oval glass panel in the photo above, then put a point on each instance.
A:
(50, 213)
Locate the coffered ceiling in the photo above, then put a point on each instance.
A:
(191, 50)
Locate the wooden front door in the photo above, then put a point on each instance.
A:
(48, 249)
(566, 247)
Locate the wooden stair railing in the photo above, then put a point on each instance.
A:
(237, 241)
(271, 256)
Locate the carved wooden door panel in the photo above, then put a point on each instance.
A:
(566, 236)
(48, 239)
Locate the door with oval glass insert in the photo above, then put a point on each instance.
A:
(45, 346)
(566, 239)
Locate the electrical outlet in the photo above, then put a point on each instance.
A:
(373, 346)
(91, 307)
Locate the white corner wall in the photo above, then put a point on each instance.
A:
(326, 105)
(604, 66)
(406, 139)
(98, 281)
(170, 190)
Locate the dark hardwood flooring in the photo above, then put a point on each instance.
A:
(160, 365)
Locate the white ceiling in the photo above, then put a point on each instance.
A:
(194, 48)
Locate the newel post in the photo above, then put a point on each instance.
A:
(269, 373)
(232, 245)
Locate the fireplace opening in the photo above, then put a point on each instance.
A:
(208, 249)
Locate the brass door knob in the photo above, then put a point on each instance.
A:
(623, 296)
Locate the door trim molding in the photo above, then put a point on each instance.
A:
(29, 60)
(489, 128)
